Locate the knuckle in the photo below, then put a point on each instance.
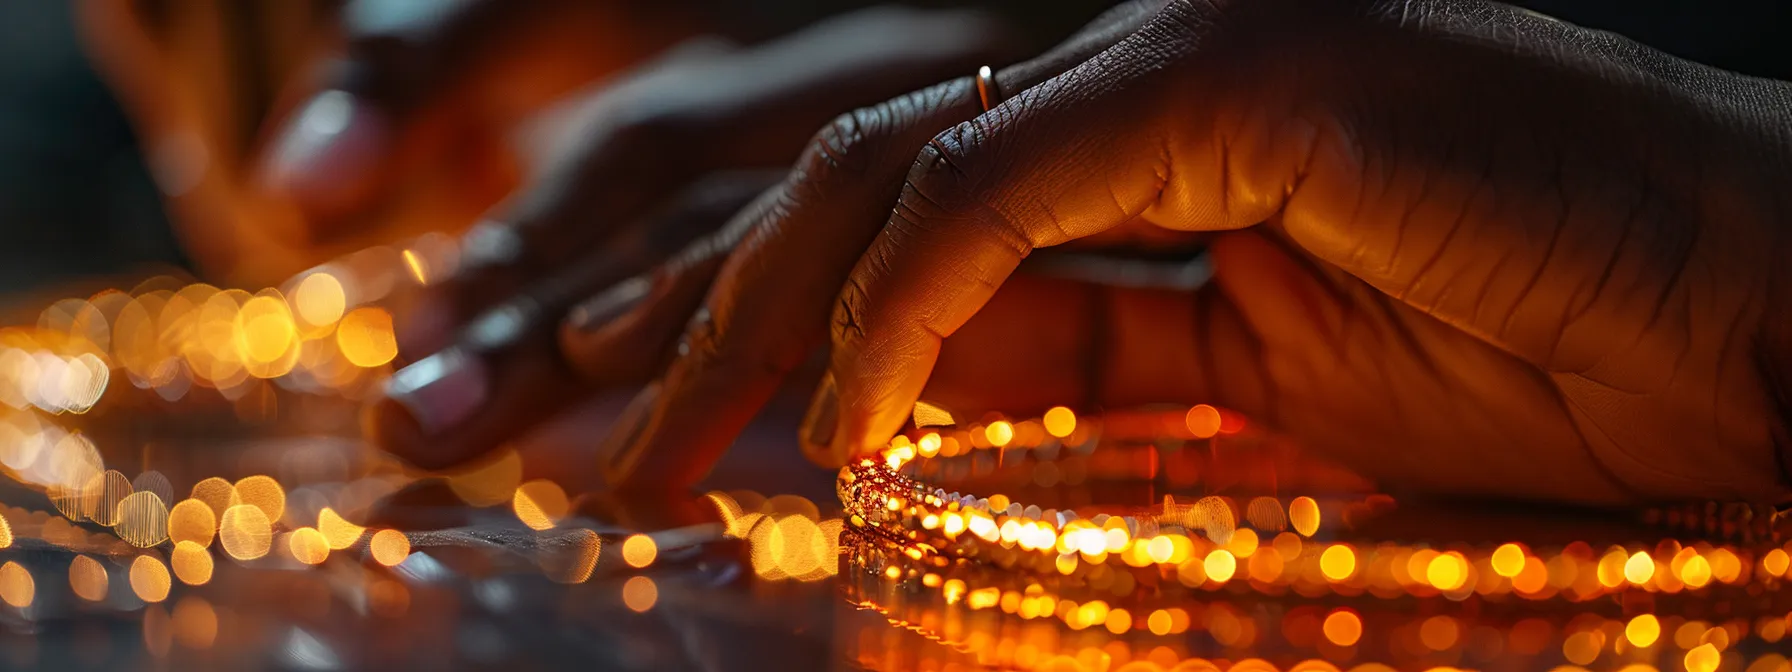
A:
(860, 144)
(846, 326)
(944, 179)
(711, 346)
(701, 341)
(845, 149)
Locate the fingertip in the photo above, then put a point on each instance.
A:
(597, 329)
(821, 426)
(328, 154)
(389, 425)
(619, 457)
(422, 401)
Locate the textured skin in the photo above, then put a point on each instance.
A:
(1498, 255)
(1464, 249)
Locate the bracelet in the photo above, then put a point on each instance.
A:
(1209, 545)
(983, 616)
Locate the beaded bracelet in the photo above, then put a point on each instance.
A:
(997, 619)
(1201, 545)
(970, 608)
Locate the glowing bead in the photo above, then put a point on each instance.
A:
(999, 433)
(1643, 630)
(1639, 569)
(1203, 421)
(1508, 560)
(1060, 422)
(1703, 658)
(1220, 565)
(1338, 562)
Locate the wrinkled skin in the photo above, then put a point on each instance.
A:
(1461, 248)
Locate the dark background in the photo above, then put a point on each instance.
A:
(76, 199)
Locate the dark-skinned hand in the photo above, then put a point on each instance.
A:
(658, 157)
(1462, 248)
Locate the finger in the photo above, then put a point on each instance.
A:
(769, 308)
(504, 372)
(415, 80)
(605, 338)
(644, 138)
(985, 194)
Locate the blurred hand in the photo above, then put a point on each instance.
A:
(1462, 248)
(653, 151)
(438, 87)
(285, 134)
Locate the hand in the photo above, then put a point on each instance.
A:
(1462, 248)
(289, 133)
(614, 205)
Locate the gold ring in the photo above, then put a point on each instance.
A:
(987, 92)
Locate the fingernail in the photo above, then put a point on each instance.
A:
(440, 390)
(622, 449)
(604, 308)
(328, 147)
(820, 425)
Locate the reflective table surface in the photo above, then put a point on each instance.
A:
(233, 520)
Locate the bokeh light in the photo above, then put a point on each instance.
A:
(16, 585)
(264, 493)
(150, 579)
(192, 563)
(569, 557)
(1643, 630)
(365, 337)
(218, 494)
(246, 533)
(639, 550)
(142, 520)
(318, 299)
(308, 546)
(1220, 565)
(389, 547)
(68, 467)
(640, 593)
(338, 533)
(490, 483)
(264, 330)
(1508, 560)
(1203, 421)
(1703, 658)
(540, 504)
(88, 579)
(101, 495)
(1303, 514)
(1447, 571)
(192, 520)
(1440, 633)
(1343, 627)
(1338, 562)
(195, 623)
(1060, 422)
(999, 433)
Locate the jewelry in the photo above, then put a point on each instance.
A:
(988, 92)
(983, 615)
(1215, 541)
